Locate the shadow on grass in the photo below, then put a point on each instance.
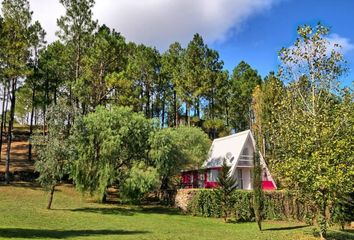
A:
(60, 234)
(130, 211)
(285, 228)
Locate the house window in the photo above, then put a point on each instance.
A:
(213, 175)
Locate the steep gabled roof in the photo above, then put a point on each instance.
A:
(231, 145)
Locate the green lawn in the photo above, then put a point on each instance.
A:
(23, 216)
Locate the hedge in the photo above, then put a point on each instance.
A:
(277, 205)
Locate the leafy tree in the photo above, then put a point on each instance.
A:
(243, 81)
(226, 186)
(265, 101)
(141, 180)
(175, 149)
(53, 149)
(106, 143)
(15, 51)
(314, 120)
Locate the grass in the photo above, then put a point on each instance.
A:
(23, 216)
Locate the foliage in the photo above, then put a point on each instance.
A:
(314, 122)
(257, 188)
(343, 210)
(107, 142)
(277, 205)
(226, 185)
(107, 55)
(53, 149)
(175, 149)
(141, 180)
(243, 81)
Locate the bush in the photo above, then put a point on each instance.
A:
(278, 205)
(141, 180)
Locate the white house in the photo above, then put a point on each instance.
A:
(237, 150)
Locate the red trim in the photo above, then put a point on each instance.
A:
(268, 185)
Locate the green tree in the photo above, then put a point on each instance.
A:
(106, 143)
(171, 71)
(53, 67)
(141, 179)
(192, 84)
(226, 186)
(314, 120)
(75, 30)
(53, 149)
(106, 56)
(265, 101)
(37, 35)
(258, 191)
(143, 70)
(175, 149)
(243, 81)
(15, 51)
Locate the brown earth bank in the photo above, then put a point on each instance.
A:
(20, 168)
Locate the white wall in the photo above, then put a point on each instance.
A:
(247, 181)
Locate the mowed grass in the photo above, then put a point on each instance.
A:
(23, 216)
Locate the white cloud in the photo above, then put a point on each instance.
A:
(345, 44)
(161, 22)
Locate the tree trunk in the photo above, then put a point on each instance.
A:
(51, 197)
(6, 106)
(163, 113)
(31, 126)
(2, 118)
(188, 120)
(175, 107)
(104, 198)
(9, 131)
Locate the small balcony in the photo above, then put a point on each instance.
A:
(245, 161)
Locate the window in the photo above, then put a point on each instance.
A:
(213, 175)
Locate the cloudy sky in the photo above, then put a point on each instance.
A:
(250, 30)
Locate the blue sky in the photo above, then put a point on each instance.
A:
(262, 35)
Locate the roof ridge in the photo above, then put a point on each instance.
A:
(232, 135)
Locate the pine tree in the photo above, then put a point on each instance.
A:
(226, 186)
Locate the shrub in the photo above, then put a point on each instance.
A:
(278, 205)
